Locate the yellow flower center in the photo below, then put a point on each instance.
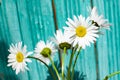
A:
(81, 31)
(19, 57)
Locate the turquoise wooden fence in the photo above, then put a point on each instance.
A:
(33, 20)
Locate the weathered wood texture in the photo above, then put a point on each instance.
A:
(33, 20)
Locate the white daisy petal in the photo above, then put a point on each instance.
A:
(11, 55)
(26, 68)
(24, 49)
(12, 60)
(17, 69)
(71, 22)
(10, 64)
(28, 54)
(28, 60)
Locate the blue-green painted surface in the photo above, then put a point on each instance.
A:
(33, 20)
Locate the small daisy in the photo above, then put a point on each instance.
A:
(81, 31)
(62, 40)
(18, 57)
(44, 50)
(99, 20)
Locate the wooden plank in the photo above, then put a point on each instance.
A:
(28, 21)
(109, 50)
(6, 16)
(42, 27)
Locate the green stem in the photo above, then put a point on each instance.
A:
(44, 64)
(60, 59)
(75, 62)
(54, 67)
(63, 62)
(70, 63)
(111, 75)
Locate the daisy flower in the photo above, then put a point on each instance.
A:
(81, 31)
(98, 20)
(18, 57)
(62, 40)
(44, 50)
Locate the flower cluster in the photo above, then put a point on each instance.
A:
(79, 33)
